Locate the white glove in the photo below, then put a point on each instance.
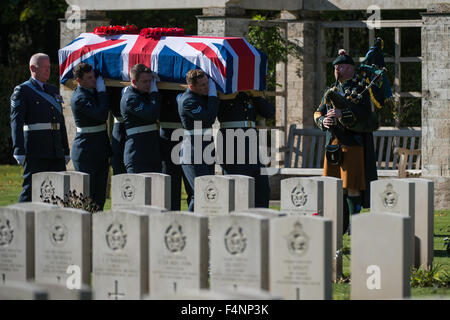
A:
(212, 88)
(67, 158)
(101, 84)
(20, 159)
(153, 87)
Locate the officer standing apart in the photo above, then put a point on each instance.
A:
(238, 117)
(356, 165)
(38, 130)
(199, 104)
(140, 108)
(91, 148)
(170, 121)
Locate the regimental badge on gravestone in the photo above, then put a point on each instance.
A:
(128, 190)
(47, 189)
(6, 232)
(235, 240)
(389, 197)
(174, 238)
(116, 237)
(211, 192)
(58, 232)
(297, 240)
(299, 196)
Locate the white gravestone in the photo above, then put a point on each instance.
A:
(381, 256)
(79, 182)
(214, 195)
(130, 190)
(120, 254)
(244, 190)
(16, 245)
(161, 195)
(48, 185)
(179, 252)
(302, 196)
(424, 222)
(333, 209)
(239, 252)
(395, 196)
(300, 258)
(62, 246)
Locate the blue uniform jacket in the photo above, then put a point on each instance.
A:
(29, 106)
(243, 108)
(141, 109)
(193, 107)
(90, 109)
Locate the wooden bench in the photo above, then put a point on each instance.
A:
(304, 152)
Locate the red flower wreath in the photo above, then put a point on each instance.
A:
(114, 30)
(157, 33)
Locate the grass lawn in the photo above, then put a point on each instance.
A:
(11, 185)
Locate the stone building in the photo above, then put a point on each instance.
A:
(300, 95)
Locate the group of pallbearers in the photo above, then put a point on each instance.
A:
(138, 143)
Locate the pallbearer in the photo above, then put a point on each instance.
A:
(118, 132)
(91, 148)
(140, 108)
(170, 121)
(237, 122)
(198, 108)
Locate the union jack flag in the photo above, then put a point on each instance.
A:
(233, 63)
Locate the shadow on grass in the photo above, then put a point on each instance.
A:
(441, 253)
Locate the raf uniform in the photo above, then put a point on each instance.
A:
(170, 121)
(118, 136)
(194, 107)
(240, 113)
(357, 167)
(140, 112)
(91, 148)
(38, 130)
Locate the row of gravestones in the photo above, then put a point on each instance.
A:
(218, 196)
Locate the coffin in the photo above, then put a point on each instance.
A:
(233, 63)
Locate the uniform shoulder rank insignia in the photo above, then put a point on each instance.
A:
(198, 110)
(140, 107)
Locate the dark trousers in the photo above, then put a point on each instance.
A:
(176, 174)
(117, 146)
(262, 187)
(33, 165)
(98, 178)
(191, 171)
(143, 167)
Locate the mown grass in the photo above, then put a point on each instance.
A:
(11, 185)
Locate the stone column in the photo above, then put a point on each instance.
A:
(75, 23)
(299, 81)
(223, 22)
(436, 101)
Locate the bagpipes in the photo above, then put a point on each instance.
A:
(369, 77)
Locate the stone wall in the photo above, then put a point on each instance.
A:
(436, 101)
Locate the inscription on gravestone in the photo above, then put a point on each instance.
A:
(179, 252)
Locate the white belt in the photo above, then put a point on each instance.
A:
(41, 126)
(198, 132)
(142, 129)
(118, 120)
(170, 125)
(93, 129)
(237, 124)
